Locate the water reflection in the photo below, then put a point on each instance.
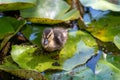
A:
(93, 61)
(33, 36)
(93, 14)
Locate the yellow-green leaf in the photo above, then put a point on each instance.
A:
(50, 12)
(10, 67)
(6, 5)
(106, 28)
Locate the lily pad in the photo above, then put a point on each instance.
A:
(106, 28)
(11, 67)
(6, 5)
(5, 29)
(82, 54)
(34, 33)
(9, 27)
(113, 5)
(104, 70)
(113, 59)
(50, 12)
(29, 57)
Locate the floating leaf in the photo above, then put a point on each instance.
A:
(50, 12)
(34, 33)
(113, 59)
(82, 54)
(117, 40)
(9, 27)
(11, 67)
(106, 28)
(113, 5)
(27, 57)
(104, 70)
(6, 5)
(6, 28)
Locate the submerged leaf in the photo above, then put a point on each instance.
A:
(6, 5)
(50, 12)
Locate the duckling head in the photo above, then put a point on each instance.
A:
(47, 37)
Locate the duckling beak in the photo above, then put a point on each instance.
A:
(46, 41)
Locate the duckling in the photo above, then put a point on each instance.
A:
(54, 38)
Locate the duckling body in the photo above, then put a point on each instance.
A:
(54, 38)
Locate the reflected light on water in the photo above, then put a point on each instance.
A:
(33, 36)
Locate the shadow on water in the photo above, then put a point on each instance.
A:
(91, 63)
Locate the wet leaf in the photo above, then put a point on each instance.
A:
(5, 29)
(11, 67)
(34, 33)
(113, 59)
(81, 56)
(106, 28)
(50, 12)
(6, 5)
(113, 5)
(27, 57)
(9, 27)
(104, 70)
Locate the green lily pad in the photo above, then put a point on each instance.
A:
(104, 70)
(113, 59)
(50, 12)
(9, 27)
(6, 5)
(113, 5)
(29, 57)
(6, 28)
(106, 28)
(117, 40)
(83, 53)
(34, 33)
(11, 67)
